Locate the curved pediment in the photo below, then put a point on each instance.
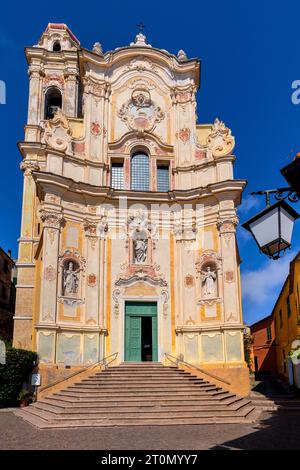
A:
(135, 139)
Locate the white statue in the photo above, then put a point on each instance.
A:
(97, 48)
(208, 280)
(70, 279)
(139, 250)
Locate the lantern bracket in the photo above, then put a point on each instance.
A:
(280, 194)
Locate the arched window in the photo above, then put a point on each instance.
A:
(140, 172)
(56, 46)
(53, 102)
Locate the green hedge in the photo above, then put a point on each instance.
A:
(19, 364)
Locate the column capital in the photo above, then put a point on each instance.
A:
(28, 166)
(52, 219)
(227, 224)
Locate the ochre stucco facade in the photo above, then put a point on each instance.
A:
(87, 249)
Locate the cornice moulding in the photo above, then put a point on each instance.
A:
(196, 194)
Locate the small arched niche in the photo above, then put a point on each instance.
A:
(140, 247)
(209, 279)
(70, 278)
(56, 46)
(53, 102)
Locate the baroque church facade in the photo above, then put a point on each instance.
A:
(128, 226)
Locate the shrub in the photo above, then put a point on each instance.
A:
(19, 364)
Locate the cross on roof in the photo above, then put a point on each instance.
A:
(141, 26)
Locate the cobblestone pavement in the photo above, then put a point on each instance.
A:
(280, 430)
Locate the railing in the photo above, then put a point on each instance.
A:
(91, 367)
(177, 361)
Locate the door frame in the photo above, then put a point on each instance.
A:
(141, 300)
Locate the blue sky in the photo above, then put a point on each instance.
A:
(250, 57)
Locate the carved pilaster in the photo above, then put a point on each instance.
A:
(53, 222)
(227, 228)
(34, 104)
(70, 104)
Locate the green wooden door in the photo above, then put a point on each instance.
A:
(133, 338)
(154, 339)
(134, 311)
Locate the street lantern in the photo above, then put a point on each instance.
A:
(272, 228)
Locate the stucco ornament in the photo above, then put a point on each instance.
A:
(184, 134)
(220, 141)
(116, 297)
(70, 279)
(140, 113)
(58, 134)
(50, 273)
(208, 280)
(139, 221)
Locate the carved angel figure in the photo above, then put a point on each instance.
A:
(70, 279)
(208, 281)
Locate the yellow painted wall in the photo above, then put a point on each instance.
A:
(286, 327)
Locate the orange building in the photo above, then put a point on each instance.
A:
(263, 347)
(286, 315)
(272, 337)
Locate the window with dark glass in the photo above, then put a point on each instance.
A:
(269, 333)
(289, 311)
(117, 175)
(140, 180)
(280, 318)
(162, 175)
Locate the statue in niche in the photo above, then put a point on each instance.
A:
(70, 279)
(140, 246)
(208, 280)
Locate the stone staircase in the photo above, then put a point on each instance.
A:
(139, 394)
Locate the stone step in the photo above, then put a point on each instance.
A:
(63, 404)
(143, 385)
(194, 399)
(138, 390)
(143, 381)
(135, 395)
(139, 394)
(142, 373)
(105, 378)
(95, 380)
(153, 408)
(44, 424)
(140, 415)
